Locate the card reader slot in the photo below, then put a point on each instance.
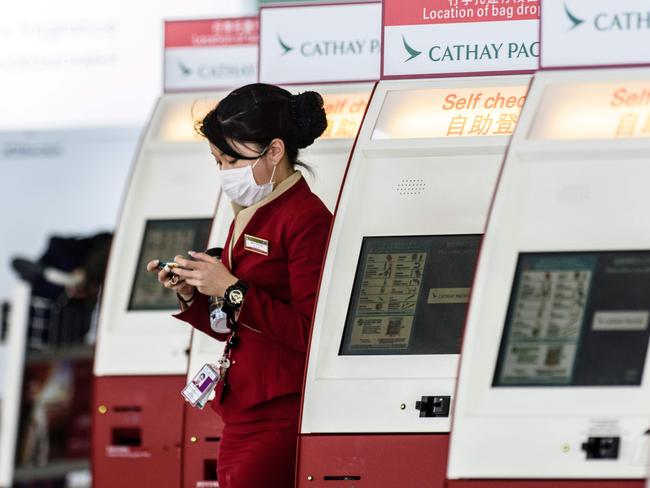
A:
(126, 436)
(127, 408)
(212, 439)
(342, 478)
(209, 470)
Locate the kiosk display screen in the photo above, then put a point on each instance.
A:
(164, 239)
(576, 319)
(410, 295)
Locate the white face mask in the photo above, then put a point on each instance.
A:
(240, 185)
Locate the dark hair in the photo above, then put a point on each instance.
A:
(259, 113)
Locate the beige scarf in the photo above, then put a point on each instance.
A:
(243, 215)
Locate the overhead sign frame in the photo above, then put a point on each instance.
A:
(210, 54)
(314, 21)
(505, 56)
(594, 34)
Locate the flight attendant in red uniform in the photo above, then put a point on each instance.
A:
(266, 279)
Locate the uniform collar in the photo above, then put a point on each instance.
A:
(243, 215)
(279, 189)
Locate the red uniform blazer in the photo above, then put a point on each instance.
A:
(274, 323)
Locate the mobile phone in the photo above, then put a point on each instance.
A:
(213, 251)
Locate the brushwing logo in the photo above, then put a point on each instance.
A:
(575, 21)
(413, 53)
(185, 70)
(286, 49)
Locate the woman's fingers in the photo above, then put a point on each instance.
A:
(170, 279)
(194, 282)
(201, 256)
(175, 283)
(185, 263)
(152, 265)
(163, 275)
(188, 273)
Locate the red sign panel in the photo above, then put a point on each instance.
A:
(212, 33)
(419, 12)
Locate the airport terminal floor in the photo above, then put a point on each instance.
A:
(396, 244)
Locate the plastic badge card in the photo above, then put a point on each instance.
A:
(198, 391)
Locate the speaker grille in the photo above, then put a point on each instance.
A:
(411, 186)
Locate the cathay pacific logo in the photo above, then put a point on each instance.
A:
(474, 52)
(286, 49)
(348, 47)
(218, 70)
(610, 21)
(185, 69)
(413, 53)
(575, 21)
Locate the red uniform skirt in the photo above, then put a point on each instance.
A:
(258, 445)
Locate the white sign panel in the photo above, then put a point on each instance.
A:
(439, 37)
(322, 43)
(207, 54)
(595, 33)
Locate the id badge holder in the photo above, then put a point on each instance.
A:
(219, 321)
(197, 392)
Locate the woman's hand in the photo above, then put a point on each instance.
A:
(172, 281)
(206, 273)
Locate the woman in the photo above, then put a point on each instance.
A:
(267, 278)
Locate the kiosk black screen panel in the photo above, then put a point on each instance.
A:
(164, 239)
(410, 295)
(576, 319)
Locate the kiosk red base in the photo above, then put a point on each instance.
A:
(201, 436)
(137, 422)
(372, 460)
(546, 484)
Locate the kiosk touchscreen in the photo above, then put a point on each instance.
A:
(397, 280)
(142, 351)
(554, 383)
(345, 105)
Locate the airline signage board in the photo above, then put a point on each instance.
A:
(210, 54)
(320, 43)
(581, 33)
(446, 37)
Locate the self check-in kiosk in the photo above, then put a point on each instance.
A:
(141, 353)
(384, 351)
(345, 105)
(396, 282)
(555, 352)
(553, 388)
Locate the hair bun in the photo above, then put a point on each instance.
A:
(309, 117)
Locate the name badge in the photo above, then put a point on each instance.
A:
(255, 244)
(198, 391)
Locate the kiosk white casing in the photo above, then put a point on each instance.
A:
(174, 177)
(404, 179)
(568, 185)
(14, 350)
(142, 351)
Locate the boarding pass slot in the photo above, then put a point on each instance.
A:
(127, 408)
(209, 470)
(126, 436)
